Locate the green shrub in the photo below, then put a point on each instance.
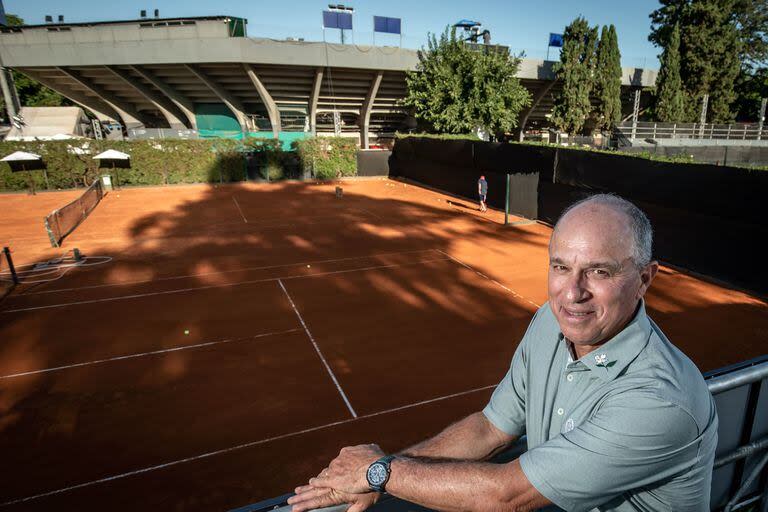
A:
(153, 162)
(327, 157)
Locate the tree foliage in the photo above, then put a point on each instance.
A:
(751, 88)
(576, 72)
(458, 89)
(31, 92)
(670, 96)
(608, 79)
(712, 50)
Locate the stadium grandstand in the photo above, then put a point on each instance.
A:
(204, 77)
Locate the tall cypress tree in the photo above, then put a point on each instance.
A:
(670, 97)
(576, 72)
(710, 50)
(608, 79)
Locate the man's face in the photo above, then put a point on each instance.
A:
(594, 286)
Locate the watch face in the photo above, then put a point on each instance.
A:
(377, 474)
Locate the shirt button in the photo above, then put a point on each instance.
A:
(570, 377)
(560, 411)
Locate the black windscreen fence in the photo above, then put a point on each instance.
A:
(706, 218)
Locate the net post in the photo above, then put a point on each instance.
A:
(506, 200)
(14, 276)
(51, 236)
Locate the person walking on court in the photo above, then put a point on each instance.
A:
(482, 191)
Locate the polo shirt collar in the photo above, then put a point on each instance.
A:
(609, 359)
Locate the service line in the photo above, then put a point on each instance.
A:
(317, 349)
(144, 354)
(212, 286)
(240, 210)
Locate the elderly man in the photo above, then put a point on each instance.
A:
(616, 417)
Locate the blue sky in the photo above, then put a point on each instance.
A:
(522, 25)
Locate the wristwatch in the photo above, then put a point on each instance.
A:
(378, 473)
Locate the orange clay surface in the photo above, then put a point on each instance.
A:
(242, 334)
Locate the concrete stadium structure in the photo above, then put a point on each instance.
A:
(204, 77)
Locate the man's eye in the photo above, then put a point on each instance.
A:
(600, 272)
(559, 268)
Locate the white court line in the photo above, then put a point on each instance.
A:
(317, 349)
(241, 283)
(217, 272)
(238, 209)
(143, 354)
(239, 447)
(488, 278)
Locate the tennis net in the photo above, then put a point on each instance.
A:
(61, 222)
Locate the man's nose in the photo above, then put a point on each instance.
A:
(576, 287)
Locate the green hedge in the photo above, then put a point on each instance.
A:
(152, 162)
(327, 157)
(164, 162)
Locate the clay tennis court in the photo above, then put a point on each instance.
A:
(220, 344)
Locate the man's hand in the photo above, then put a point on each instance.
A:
(347, 472)
(309, 498)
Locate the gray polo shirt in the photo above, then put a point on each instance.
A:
(630, 426)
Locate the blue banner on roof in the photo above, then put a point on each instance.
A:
(333, 19)
(556, 40)
(387, 25)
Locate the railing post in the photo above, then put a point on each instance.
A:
(674, 129)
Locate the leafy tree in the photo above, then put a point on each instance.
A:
(608, 79)
(31, 92)
(576, 72)
(457, 89)
(670, 96)
(751, 88)
(711, 50)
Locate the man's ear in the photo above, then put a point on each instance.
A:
(646, 277)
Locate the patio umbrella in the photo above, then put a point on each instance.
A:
(114, 160)
(22, 161)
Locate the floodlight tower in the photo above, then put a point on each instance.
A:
(341, 8)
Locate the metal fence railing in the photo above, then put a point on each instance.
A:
(740, 477)
(650, 130)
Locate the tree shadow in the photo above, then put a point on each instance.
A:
(223, 292)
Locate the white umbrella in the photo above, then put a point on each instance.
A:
(116, 159)
(23, 161)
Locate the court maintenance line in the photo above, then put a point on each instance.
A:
(317, 349)
(240, 210)
(488, 278)
(217, 272)
(208, 287)
(150, 353)
(240, 447)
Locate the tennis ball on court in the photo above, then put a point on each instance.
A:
(309, 266)
(186, 331)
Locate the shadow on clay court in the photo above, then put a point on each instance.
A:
(242, 334)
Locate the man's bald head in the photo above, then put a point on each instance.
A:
(636, 222)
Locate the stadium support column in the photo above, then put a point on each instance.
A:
(535, 103)
(167, 109)
(365, 113)
(182, 102)
(266, 99)
(225, 96)
(12, 105)
(131, 117)
(313, 100)
(102, 110)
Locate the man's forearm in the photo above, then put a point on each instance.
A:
(473, 438)
(463, 485)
